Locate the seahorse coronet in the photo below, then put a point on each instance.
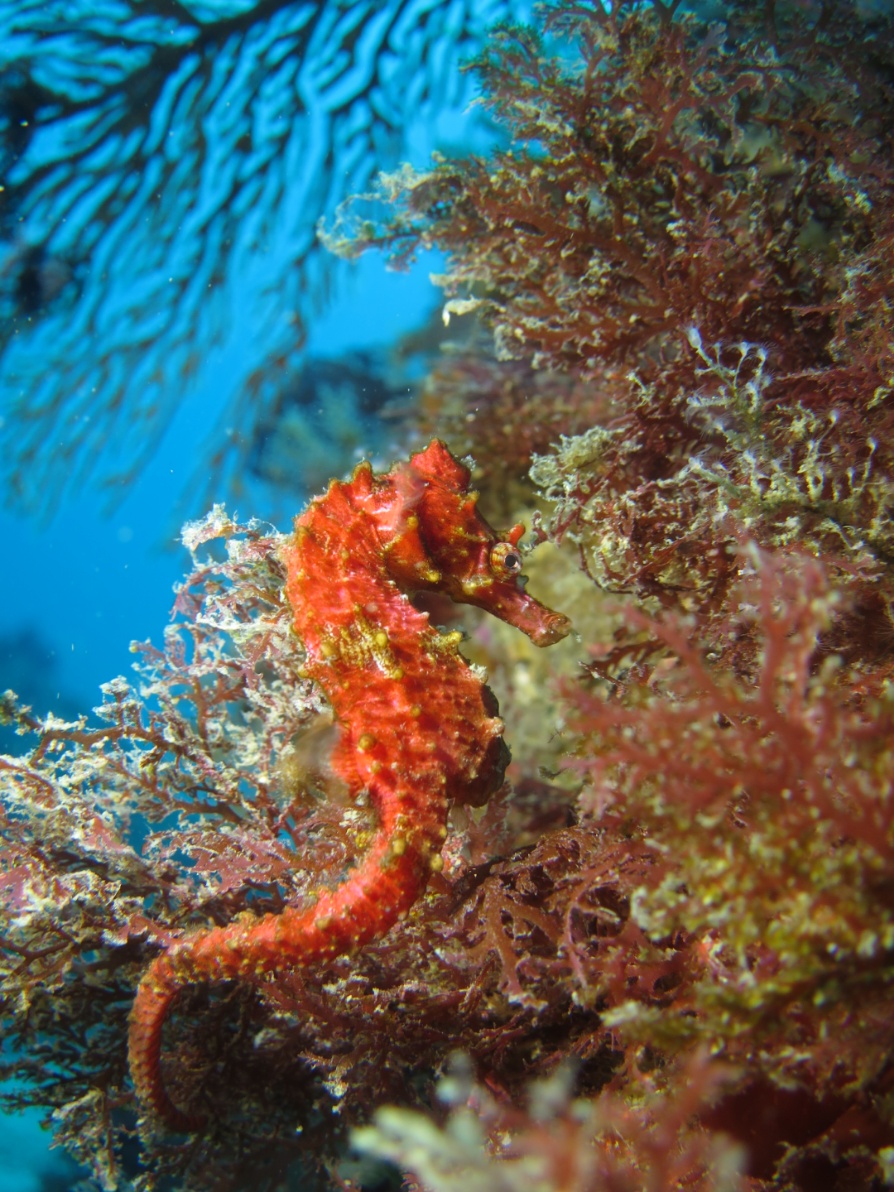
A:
(417, 715)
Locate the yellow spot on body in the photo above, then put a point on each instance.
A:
(398, 846)
(366, 742)
(375, 767)
(471, 586)
(381, 638)
(431, 576)
(328, 650)
(436, 861)
(415, 711)
(323, 923)
(397, 673)
(412, 522)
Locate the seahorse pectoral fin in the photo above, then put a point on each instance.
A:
(489, 779)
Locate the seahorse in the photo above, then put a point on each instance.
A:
(418, 728)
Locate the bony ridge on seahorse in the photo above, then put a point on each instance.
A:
(418, 727)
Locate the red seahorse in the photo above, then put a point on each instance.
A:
(418, 728)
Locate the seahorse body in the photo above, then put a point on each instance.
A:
(418, 728)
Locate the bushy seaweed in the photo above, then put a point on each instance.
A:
(685, 239)
(683, 248)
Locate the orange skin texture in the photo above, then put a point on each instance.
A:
(417, 727)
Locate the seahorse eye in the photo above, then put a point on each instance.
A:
(505, 559)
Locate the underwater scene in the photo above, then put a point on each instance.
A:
(447, 642)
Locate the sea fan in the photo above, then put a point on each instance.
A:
(163, 166)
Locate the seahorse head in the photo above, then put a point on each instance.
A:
(439, 541)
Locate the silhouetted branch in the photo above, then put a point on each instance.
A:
(163, 169)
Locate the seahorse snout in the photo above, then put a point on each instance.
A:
(550, 629)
